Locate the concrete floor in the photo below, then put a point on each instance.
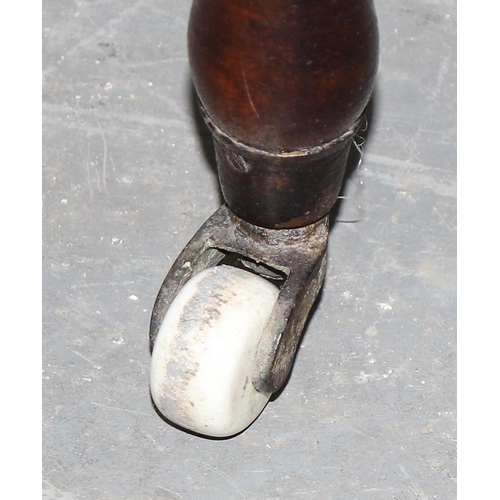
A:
(370, 409)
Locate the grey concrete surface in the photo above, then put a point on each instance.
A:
(370, 409)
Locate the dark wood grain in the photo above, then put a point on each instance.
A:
(282, 75)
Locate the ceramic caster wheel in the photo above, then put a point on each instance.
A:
(204, 356)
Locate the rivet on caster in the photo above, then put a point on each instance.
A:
(283, 86)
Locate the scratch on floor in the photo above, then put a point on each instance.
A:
(134, 412)
(443, 219)
(418, 492)
(110, 283)
(397, 162)
(361, 433)
(227, 478)
(97, 367)
(50, 492)
(129, 118)
(405, 173)
(176, 495)
(87, 171)
(104, 159)
(155, 62)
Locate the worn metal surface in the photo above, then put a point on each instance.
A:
(370, 410)
(299, 255)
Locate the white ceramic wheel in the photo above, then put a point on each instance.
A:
(204, 355)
